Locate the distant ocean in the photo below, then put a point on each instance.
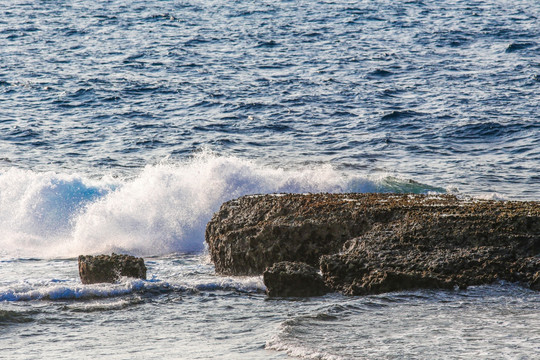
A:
(124, 125)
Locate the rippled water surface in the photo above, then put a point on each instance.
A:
(124, 125)
(443, 92)
(184, 311)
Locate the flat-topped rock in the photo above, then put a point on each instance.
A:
(369, 243)
(110, 268)
(251, 233)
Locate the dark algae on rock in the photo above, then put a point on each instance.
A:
(109, 268)
(373, 243)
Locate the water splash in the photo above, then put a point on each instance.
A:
(164, 209)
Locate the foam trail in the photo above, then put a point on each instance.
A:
(72, 290)
(164, 209)
(28, 291)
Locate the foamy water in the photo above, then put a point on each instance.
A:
(193, 314)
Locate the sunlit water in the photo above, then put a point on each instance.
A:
(124, 125)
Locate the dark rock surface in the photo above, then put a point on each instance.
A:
(251, 233)
(356, 270)
(285, 279)
(470, 244)
(372, 243)
(535, 283)
(109, 268)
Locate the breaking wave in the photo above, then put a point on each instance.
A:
(164, 209)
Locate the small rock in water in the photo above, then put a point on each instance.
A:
(109, 268)
(293, 279)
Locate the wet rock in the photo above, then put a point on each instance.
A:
(109, 268)
(436, 253)
(378, 281)
(288, 279)
(251, 233)
(371, 243)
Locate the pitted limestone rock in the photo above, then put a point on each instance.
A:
(370, 243)
(109, 268)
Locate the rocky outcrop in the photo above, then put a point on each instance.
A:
(535, 283)
(109, 268)
(372, 243)
(356, 270)
(293, 279)
(251, 233)
(469, 243)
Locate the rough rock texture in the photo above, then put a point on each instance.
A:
(251, 233)
(535, 283)
(109, 268)
(371, 243)
(286, 279)
(475, 243)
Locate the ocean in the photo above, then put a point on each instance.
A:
(124, 125)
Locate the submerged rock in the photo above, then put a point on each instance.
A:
(286, 279)
(372, 243)
(109, 268)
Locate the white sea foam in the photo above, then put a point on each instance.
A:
(103, 305)
(73, 290)
(299, 351)
(36, 209)
(162, 210)
(30, 291)
(490, 196)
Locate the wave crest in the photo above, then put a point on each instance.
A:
(163, 210)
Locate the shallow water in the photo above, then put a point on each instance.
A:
(124, 125)
(185, 311)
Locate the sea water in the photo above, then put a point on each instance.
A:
(124, 125)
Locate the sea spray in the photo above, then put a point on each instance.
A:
(166, 208)
(36, 209)
(163, 209)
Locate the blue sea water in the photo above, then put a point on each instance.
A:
(125, 124)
